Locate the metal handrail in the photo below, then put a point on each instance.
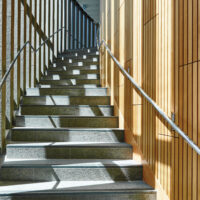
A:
(3, 80)
(151, 101)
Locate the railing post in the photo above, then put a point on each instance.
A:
(3, 94)
(35, 42)
(44, 51)
(53, 28)
(30, 40)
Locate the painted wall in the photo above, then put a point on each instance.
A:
(157, 43)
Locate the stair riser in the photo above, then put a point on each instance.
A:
(81, 63)
(67, 136)
(64, 122)
(71, 82)
(66, 100)
(85, 196)
(22, 173)
(69, 110)
(51, 152)
(68, 92)
(74, 72)
(59, 77)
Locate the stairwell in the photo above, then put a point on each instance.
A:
(66, 143)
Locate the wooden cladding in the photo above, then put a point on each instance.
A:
(53, 25)
(158, 43)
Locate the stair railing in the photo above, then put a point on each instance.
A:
(53, 26)
(149, 99)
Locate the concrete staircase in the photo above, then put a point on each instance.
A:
(66, 144)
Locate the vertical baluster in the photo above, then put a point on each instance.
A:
(44, 50)
(94, 34)
(73, 35)
(40, 39)
(81, 29)
(78, 39)
(3, 94)
(25, 27)
(69, 23)
(49, 28)
(57, 26)
(89, 33)
(61, 22)
(18, 48)
(53, 28)
(30, 39)
(35, 42)
(86, 32)
(65, 23)
(11, 59)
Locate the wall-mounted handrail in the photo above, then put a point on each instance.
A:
(3, 80)
(150, 100)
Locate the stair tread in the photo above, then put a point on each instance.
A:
(24, 187)
(13, 144)
(67, 129)
(71, 163)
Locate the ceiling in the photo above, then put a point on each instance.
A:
(92, 7)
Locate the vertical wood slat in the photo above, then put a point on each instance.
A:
(25, 38)
(18, 48)
(65, 24)
(3, 71)
(35, 43)
(54, 27)
(12, 57)
(30, 40)
(94, 34)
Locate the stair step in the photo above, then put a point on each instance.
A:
(71, 170)
(82, 110)
(65, 121)
(66, 100)
(83, 58)
(69, 150)
(69, 92)
(63, 76)
(73, 72)
(80, 63)
(69, 86)
(71, 81)
(67, 135)
(77, 190)
(64, 68)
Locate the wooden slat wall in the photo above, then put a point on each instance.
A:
(158, 42)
